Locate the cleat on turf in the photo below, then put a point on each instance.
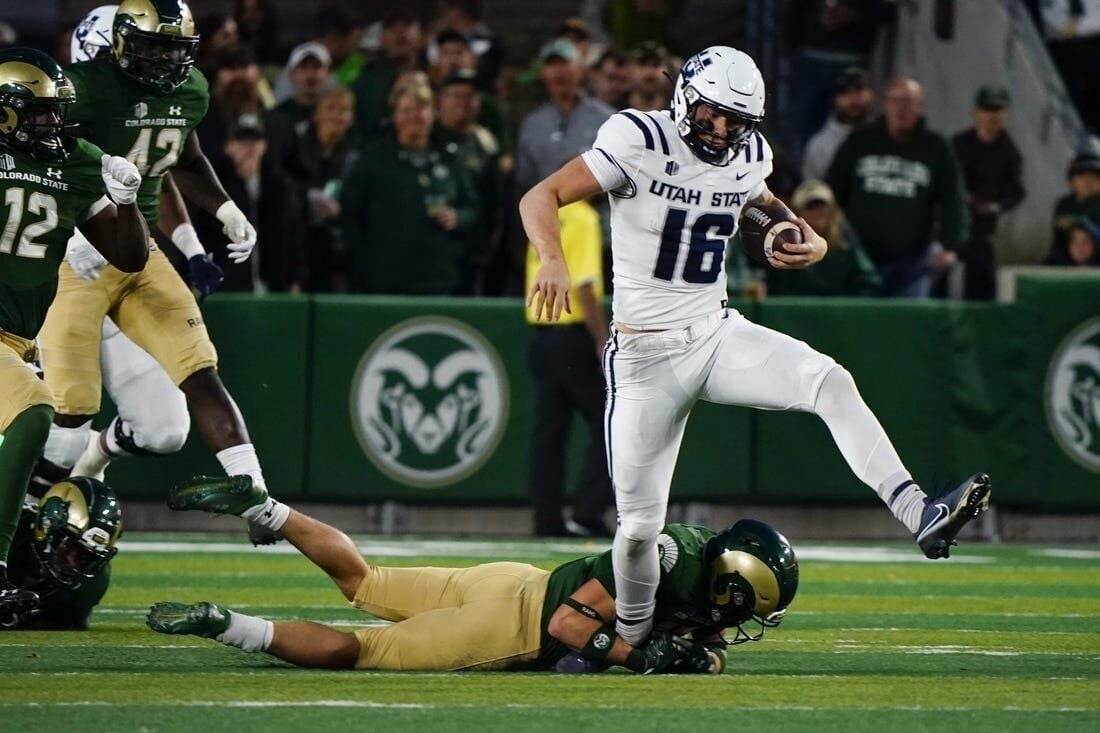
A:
(198, 619)
(944, 516)
(217, 494)
(15, 603)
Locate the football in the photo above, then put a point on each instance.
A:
(766, 229)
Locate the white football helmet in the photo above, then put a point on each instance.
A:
(727, 81)
(93, 34)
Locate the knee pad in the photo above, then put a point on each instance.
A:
(837, 386)
(164, 437)
(639, 529)
(64, 446)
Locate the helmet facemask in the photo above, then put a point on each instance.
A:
(733, 603)
(37, 125)
(156, 60)
(70, 555)
(700, 122)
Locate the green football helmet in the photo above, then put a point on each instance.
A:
(34, 97)
(753, 577)
(155, 42)
(76, 529)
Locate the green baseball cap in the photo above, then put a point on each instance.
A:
(559, 48)
(991, 96)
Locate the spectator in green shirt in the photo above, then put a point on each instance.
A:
(846, 269)
(408, 208)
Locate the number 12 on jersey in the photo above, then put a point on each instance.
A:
(708, 236)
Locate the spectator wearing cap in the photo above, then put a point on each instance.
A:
(900, 186)
(1082, 201)
(609, 79)
(566, 125)
(1084, 243)
(326, 157)
(408, 207)
(993, 173)
(846, 269)
(309, 72)
(465, 17)
(651, 88)
(451, 53)
(269, 200)
(476, 149)
(398, 52)
(853, 104)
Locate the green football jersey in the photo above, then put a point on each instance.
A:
(680, 591)
(41, 205)
(127, 118)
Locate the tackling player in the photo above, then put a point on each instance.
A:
(143, 100)
(49, 184)
(506, 615)
(62, 551)
(678, 181)
(152, 411)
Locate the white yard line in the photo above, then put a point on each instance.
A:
(527, 550)
(526, 706)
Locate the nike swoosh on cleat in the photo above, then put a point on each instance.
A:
(945, 511)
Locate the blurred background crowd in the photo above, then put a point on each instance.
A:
(381, 148)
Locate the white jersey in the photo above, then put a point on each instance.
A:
(672, 216)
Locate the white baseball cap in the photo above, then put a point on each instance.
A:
(310, 49)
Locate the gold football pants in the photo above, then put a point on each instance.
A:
(20, 387)
(154, 307)
(484, 617)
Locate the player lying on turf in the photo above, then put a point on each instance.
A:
(679, 180)
(62, 551)
(506, 615)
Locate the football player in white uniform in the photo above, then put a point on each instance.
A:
(152, 412)
(678, 181)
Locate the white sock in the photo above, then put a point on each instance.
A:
(249, 633)
(637, 570)
(94, 460)
(866, 447)
(64, 445)
(242, 460)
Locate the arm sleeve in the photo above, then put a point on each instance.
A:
(616, 155)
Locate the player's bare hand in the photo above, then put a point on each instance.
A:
(550, 291)
(801, 255)
(446, 217)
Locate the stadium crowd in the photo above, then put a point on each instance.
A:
(380, 144)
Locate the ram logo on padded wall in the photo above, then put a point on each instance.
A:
(429, 401)
(1073, 394)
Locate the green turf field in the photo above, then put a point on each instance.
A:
(1000, 638)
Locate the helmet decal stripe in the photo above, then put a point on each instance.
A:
(645, 130)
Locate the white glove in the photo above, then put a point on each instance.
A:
(85, 259)
(242, 237)
(122, 178)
